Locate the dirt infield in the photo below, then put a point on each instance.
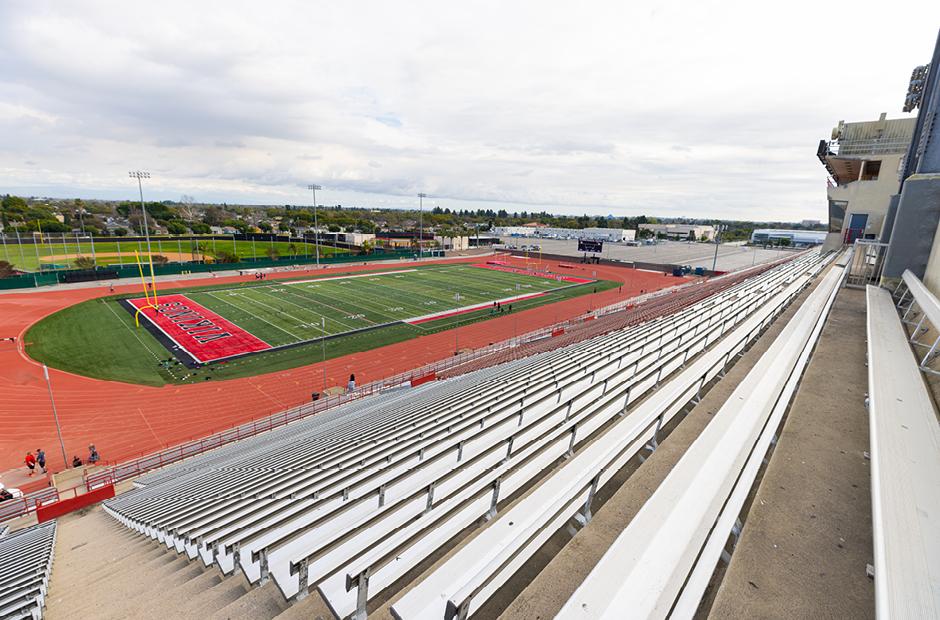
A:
(125, 421)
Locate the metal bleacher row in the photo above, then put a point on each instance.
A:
(25, 564)
(352, 500)
(661, 564)
(905, 455)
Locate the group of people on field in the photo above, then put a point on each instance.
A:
(39, 459)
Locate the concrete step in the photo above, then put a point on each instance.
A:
(313, 608)
(262, 603)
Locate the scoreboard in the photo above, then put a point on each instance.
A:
(585, 245)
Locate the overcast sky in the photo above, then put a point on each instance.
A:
(700, 109)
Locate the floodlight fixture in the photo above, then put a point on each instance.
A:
(141, 174)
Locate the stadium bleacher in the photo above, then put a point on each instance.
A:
(905, 461)
(25, 565)
(675, 541)
(350, 501)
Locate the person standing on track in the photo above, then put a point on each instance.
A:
(30, 461)
(41, 459)
(351, 385)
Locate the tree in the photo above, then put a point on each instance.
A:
(272, 253)
(6, 269)
(187, 211)
(292, 249)
(120, 232)
(84, 262)
(265, 227)
(159, 259)
(47, 226)
(213, 216)
(283, 226)
(224, 256)
(175, 228)
(333, 228)
(199, 228)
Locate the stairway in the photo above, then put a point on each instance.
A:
(103, 570)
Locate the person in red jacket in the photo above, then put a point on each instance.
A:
(31, 463)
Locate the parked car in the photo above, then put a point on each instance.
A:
(11, 493)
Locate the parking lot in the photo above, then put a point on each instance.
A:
(730, 256)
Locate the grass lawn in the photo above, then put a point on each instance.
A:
(61, 254)
(97, 338)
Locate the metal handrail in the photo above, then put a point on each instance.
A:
(19, 506)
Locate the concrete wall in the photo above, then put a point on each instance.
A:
(870, 197)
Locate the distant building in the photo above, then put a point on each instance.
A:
(614, 235)
(356, 238)
(863, 160)
(797, 238)
(456, 244)
(545, 232)
(681, 231)
(811, 223)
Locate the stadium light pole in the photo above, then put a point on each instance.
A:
(316, 226)
(421, 197)
(323, 350)
(139, 174)
(717, 243)
(55, 414)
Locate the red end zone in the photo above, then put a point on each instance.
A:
(200, 332)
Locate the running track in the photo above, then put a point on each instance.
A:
(125, 421)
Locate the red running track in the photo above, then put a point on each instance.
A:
(125, 421)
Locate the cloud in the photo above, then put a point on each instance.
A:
(711, 109)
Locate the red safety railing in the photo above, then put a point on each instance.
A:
(19, 506)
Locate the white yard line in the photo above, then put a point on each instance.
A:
(310, 310)
(292, 335)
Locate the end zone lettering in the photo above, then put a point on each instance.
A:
(201, 333)
(195, 324)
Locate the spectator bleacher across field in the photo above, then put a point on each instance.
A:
(25, 564)
(352, 500)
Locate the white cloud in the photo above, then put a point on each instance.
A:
(709, 109)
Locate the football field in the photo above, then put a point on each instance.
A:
(210, 325)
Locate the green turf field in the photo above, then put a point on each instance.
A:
(282, 313)
(61, 254)
(97, 338)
